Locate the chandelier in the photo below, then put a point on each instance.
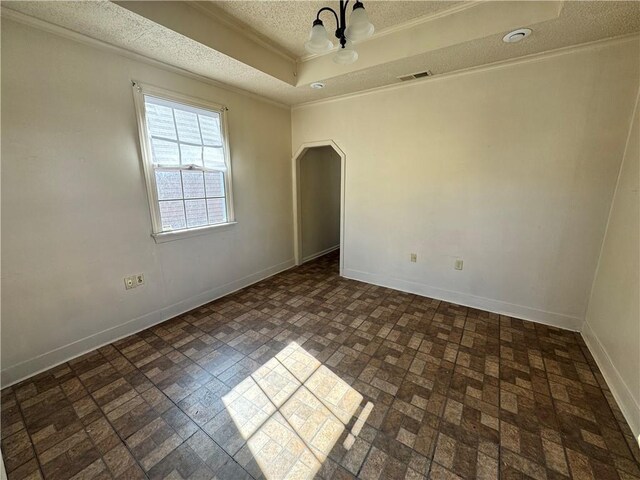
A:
(359, 28)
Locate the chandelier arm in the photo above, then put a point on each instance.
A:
(329, 9)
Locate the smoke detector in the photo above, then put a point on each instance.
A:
(317, 85)
(516, 35)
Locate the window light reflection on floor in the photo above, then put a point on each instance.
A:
(291, 412)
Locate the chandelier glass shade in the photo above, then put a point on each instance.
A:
(346, 54)
(318, 40)
(359, 25)
(359, 28)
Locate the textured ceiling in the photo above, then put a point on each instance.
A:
(578, 22)
(287, 23)
(120, 27)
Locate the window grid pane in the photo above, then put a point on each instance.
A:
(172, 214)
(181, 139)
(217, 210)
(214, 184)
(193, 184)
(160, 121)
(169, 185)
(196, 211)
(187, 126)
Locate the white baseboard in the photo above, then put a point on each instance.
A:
(496, 306)
(621, 392)
(319, 254)
(28, 368)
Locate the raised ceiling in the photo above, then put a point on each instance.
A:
(257, 46)
(287, 23)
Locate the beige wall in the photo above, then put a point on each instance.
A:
(612, 327)
(319, 201)
(511, 169)
(75, 217)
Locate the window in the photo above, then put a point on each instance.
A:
(186, 162)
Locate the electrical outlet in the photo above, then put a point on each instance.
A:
(458, 264)
(414, 257)
(133, 281)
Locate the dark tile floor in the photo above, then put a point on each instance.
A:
(308, 374)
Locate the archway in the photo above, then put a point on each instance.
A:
(297, 197)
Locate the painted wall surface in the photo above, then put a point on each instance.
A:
(75, 215)
(612, 325)
(511, 169)
(319, 201)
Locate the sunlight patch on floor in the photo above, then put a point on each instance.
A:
(291, 412)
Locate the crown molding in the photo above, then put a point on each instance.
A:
(59, 31)
(402, 26)
(533, 57)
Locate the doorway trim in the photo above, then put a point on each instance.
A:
(297, 214)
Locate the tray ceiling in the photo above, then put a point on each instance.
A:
(287, 23)
(213, 39)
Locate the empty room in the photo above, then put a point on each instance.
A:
(321, 239)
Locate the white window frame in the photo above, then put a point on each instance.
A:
(139, 91)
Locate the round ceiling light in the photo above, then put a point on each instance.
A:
(516, 35)
(317, 85)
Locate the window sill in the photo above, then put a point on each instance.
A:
(192, 232)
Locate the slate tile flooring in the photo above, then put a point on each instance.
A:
(307, 375)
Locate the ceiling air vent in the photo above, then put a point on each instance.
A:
(415, 76)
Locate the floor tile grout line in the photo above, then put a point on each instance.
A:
(89, 394)
(324, 404)
(138, 393)
(245, 440)
(441, 416)
(302, 384)
(555, 411)
(35, 453)
(122, 440)
(199, 428)
(390, 406)
(404, 377)
(552, 399)
(277, 410)
(593, 373)
(555, 401)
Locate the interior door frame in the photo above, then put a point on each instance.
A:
(297, 214)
